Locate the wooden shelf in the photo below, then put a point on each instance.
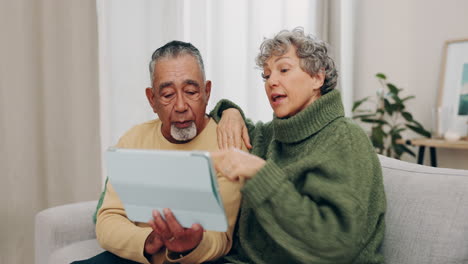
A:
(432, 144)
(435, 142)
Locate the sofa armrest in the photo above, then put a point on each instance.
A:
(59, 226)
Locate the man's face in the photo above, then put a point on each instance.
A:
(179, 96)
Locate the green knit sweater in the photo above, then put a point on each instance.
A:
(320, 196)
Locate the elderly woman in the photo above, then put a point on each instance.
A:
(313, 188)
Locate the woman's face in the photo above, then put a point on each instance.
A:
(288, 87)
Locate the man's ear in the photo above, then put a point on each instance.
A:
(151, 100)
(207, 90)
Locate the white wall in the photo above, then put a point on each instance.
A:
(404, 39)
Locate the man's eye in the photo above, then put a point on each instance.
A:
(167, 96)
(190, 92)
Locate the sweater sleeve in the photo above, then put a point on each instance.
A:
(225, 104)
(321, 213)
(116, 233)
(216, 244)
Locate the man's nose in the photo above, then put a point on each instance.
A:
(180, 104)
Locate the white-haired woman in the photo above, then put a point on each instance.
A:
(313, 188)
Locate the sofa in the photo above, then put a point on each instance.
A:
(426, 220)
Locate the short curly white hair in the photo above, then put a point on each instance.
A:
(312, 53)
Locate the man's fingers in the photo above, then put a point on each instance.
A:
(161, 226)
(246, 138)
(151, 223)
(153, 244)
(196, 230)
(176, 229)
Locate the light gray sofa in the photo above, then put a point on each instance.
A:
(427, 219)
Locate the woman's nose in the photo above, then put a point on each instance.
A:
(272, 80)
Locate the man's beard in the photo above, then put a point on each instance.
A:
(184, 134)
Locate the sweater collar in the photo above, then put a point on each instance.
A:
(310, 120)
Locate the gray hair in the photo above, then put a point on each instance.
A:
(312, 54)
(174, 49)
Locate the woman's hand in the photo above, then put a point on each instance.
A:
(232, 130)
(235, 164)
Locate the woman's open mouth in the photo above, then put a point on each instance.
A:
(276, 98)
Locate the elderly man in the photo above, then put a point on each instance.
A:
(179, 96)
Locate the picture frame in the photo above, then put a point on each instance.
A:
(452, 103)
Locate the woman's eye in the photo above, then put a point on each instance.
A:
(284, 70)
(265, 76)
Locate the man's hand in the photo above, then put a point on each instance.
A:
(232, 130)
(153, 244)
(235, 164)
(173, 235)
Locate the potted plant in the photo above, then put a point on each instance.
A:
(388, 118)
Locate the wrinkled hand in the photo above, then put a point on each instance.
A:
(232, 130)
(173, 235)
(235, 164)
(153, 244)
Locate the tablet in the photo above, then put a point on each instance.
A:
(183, 181)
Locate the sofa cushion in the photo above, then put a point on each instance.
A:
(76, 251)
(427, 215)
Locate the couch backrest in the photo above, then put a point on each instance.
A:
(427, 213)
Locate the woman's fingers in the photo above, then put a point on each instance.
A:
(224, 164)
(246, 138)
(219, 134)
(230, 130)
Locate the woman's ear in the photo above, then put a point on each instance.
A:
(318, 80)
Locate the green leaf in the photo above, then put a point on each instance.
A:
(359, 102)
(409, 151)
(397, 100)
(374, 121)
(381, 76)
(396, 131)
(377, 137)
(395, 135)
(407, 98)
(407, 116)
(388, 107)
(419, 130)
(393, 89)
(417, 123)
(398, 150)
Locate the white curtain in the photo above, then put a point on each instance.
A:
(228, 34)
(49, 114)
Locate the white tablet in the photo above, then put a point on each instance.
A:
(183, 181)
